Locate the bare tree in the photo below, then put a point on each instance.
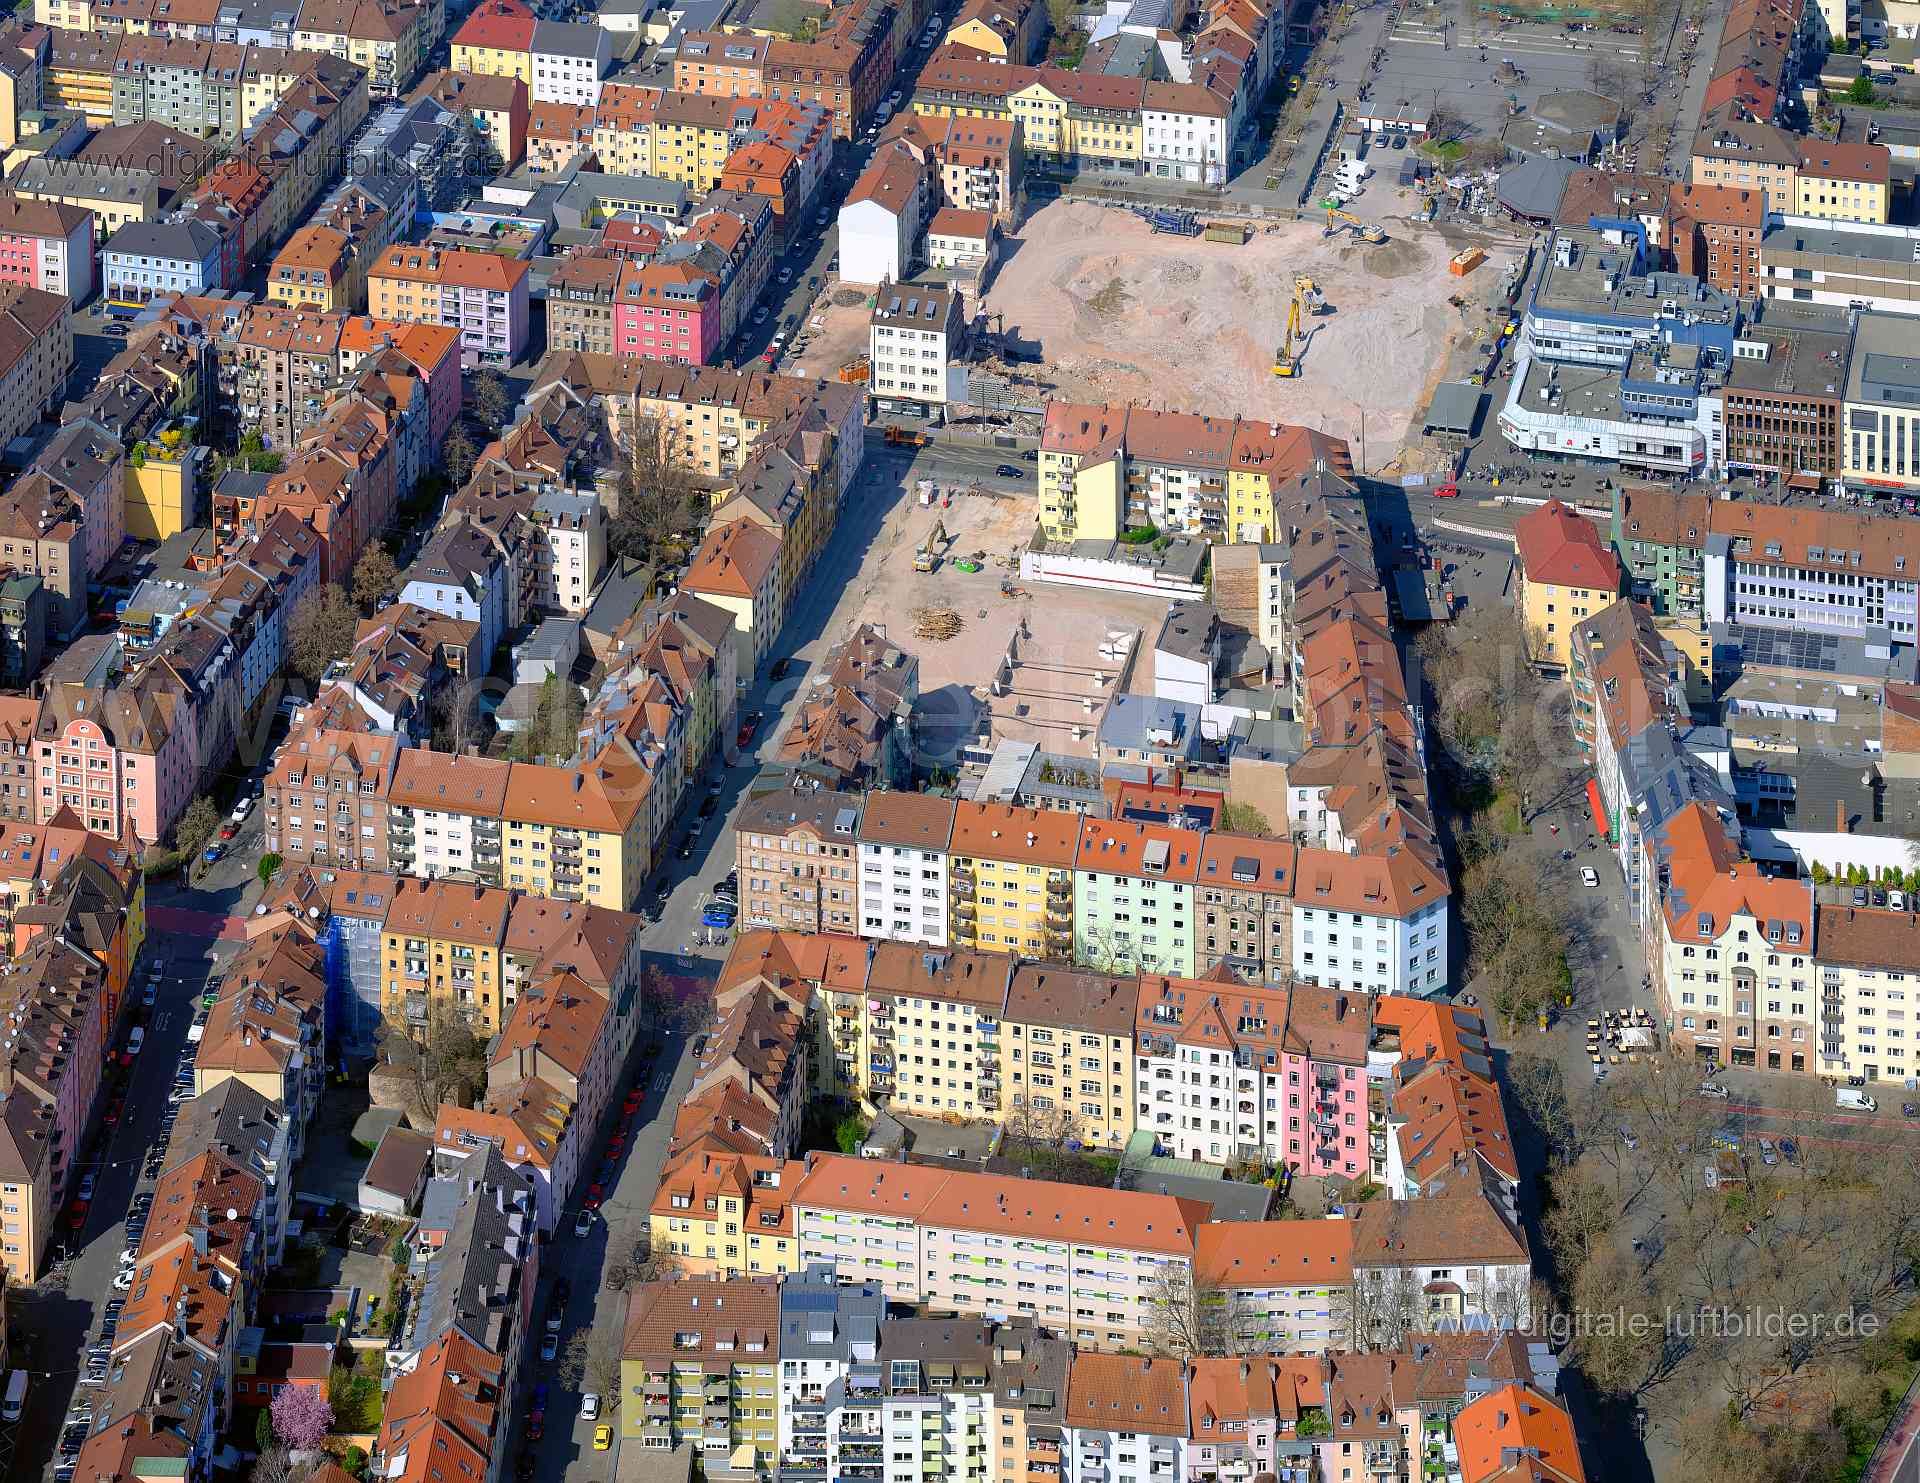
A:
(1188, 1315)
(492, 402)
(375, 577)
(274, 1465)
(657, 491)
(1382, 1307)
(320, 631)
(441, 1057)
(454, 712)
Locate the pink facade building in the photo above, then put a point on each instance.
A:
(667, 312)
(47, 245)
(122, 758)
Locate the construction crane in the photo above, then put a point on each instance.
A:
(1286, 360)
(1366, 231)
(1311, 299)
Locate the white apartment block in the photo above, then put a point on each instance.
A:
(903, 867)
(1080, 1262)
(445, 841)
(568, 61)
(1368, 951)
(571, 550)
(914, 344)
(1868, 965)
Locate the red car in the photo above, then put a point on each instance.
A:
(634, 1099)
(1447, 491)
(747, 729)
(228, 830)
(77, 1214)
(112, 1114)
(592, 1201)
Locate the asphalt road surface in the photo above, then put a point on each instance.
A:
(53, 1324)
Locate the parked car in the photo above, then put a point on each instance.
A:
(1008, 471)
(717, 915)
(602, 1437)
(1589, 876)
(1715, 1090)
(583, 1225)
(550, 1347)
(589, 1406)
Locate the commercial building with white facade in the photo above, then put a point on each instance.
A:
(1185, 133)
(1842, 264)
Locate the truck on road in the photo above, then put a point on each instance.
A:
(1854, 1098)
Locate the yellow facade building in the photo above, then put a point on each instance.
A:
(1066, 1051)
(496, 41)
(1843, 182)
(725, 1215)
(1567, 574)
(578, 833)
(1011, 872)
(314, 270)
(162, 488)
(442, 944)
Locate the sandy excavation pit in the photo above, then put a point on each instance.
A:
(1123, 314)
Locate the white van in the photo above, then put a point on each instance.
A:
(16, 1396)
(1854, 1098)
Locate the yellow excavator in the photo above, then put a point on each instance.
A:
(1286, 360)
(1311, 299)
(1366, 231)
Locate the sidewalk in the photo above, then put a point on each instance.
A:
(1897, 1457)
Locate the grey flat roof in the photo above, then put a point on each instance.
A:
(1534, 187)
(1882, 370)
(1455, 407)
(1837, 239)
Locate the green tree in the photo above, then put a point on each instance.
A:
(320, 632)
(269, 863)
(263, 1430)
(196, 826)
(1244, 818)
(553, 731)
(375, 577)
(355, 1462)
(1821, 875)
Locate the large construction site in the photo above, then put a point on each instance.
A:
(1121, 312)
(998, 658)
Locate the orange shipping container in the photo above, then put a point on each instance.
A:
(1463, 263)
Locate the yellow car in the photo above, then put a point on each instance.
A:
(602, 1438)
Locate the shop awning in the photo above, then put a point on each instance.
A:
(1599, 810)
(1804, 481)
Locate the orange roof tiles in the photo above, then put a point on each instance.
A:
(1004, 831)
(1127, 1393)
(450, 267)
(1275, 1253)
(1022, 1207)
(1515, 1422)
(1125, 847)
